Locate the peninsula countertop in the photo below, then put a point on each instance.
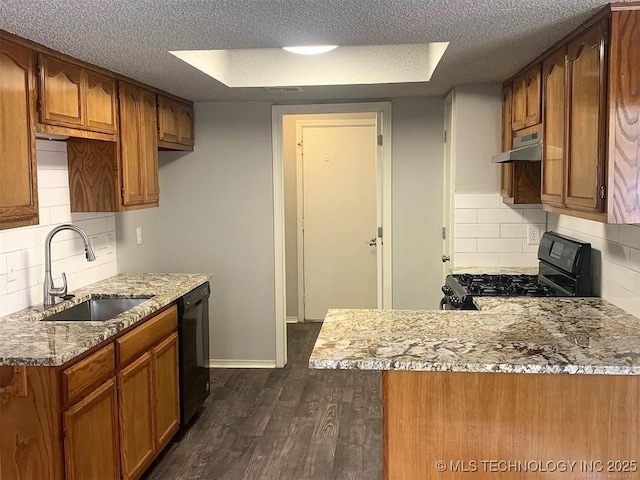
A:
(509, 335)
(27, 339)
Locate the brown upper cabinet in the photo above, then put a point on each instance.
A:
(520, 182)
(110, 177)
(553, 154)
(175, 124)
(75, 100)
(577, 80)
(18, 185)
(526, 99)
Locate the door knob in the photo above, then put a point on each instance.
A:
(372, 242)
(445, 258)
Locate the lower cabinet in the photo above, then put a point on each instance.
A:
(105, 416)
(91, 436)
(135, 383)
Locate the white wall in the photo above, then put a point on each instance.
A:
(615, 258)
(25, 246)
(487, 233)
(216, 215)
(477, 113)
(418, 155)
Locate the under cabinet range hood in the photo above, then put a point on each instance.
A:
(526, 149)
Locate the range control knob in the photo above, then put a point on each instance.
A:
(455, 302)
(447, 290)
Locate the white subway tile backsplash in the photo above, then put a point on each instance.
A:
(500, 229)
(499, 215)
(465, 245)
(499, 245)
(616, 258)
(59, 214)
(477, 259)
(518, 260)
(466, 215)
(513, 230)
(630, 235)
(67, 249)
(49, 197)
(477, 231)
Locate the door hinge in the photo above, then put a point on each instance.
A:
(444, 136)
(380, 141)
(302, 225)
(39, 105)
(602, 191)
(122, 192)
(39, 70)
(444, 233)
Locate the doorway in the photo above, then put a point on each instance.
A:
(337, 240)
(380, 115)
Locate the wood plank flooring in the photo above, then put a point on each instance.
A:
(283, 424)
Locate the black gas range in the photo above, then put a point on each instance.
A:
(564, 270)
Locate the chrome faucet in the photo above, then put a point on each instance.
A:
(50, 291)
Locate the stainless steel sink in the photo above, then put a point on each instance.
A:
(96, 310)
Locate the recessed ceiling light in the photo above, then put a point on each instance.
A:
(311, 49)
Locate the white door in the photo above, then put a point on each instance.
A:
(339, 217)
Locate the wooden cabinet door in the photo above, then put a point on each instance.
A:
(506, 170)
(131, 164)
(584, 170)
(533, 96)
(101, 102)
(168, 120)
(186, 126)
(18, 188)
(149, 145)
(554, 152)
(91, 436)
(135, 383)
(518, 104)
(61, 93)
(167, 409)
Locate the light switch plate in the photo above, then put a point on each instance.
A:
(14, 263)
(139, 235)
(111, 243)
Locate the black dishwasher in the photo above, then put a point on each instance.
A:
(193, 336)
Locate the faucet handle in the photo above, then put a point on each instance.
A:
(60, 291)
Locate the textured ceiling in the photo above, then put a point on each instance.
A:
(490, 39)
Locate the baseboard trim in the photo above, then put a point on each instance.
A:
(292, 319)
(226, 363)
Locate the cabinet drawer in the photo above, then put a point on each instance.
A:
(143, 337)
(88, 373)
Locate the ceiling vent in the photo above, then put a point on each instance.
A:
(283, 90)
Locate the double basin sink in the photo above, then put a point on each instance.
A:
(96, 310)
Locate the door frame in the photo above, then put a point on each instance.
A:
(448, 190)
(383, 109)
(346, 122)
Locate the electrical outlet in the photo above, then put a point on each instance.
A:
(139, 235)
(533, 235)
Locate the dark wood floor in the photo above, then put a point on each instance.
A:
(283, 424)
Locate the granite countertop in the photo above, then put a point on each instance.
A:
(509, 335)
(27, 339)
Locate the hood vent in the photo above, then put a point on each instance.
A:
(527, 148)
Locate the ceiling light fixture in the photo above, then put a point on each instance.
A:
(311, 49)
